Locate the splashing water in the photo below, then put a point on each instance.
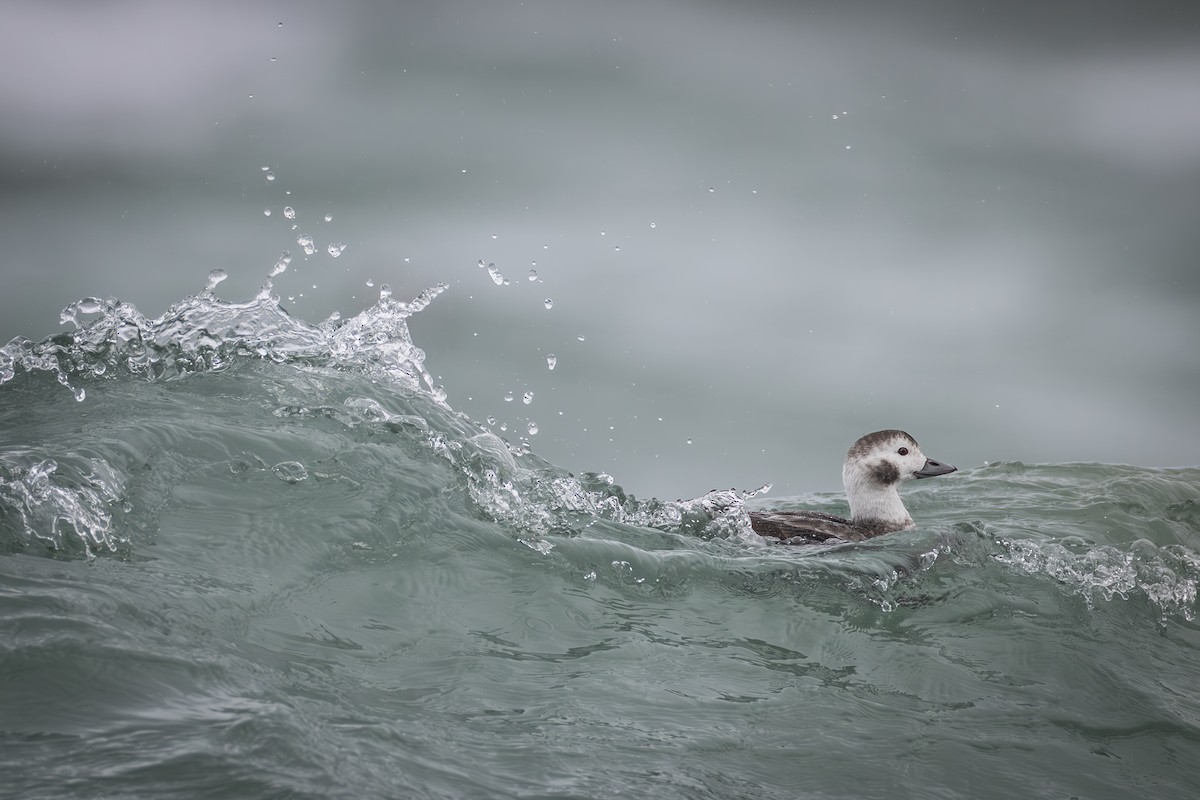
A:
(202, 333)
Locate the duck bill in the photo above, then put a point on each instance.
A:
(933, 469)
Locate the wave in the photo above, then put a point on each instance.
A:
(188, 390)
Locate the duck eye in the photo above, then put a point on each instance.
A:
(903, 451)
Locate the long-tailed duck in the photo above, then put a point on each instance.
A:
(875, 467)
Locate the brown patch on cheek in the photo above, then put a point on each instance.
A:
(886, 472)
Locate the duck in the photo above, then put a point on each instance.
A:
(874, 468)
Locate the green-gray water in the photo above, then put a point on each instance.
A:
(260, 557)
(265, 559)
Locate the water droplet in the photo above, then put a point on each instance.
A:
(266, 212)
(281, 265)
(270, 176)
(306, 242)
(551, 361)
(508, 397)
(532, 428)
(289, 212)
(329, 217)
(214, 279)
(385, 291)
(528, 398)
(533, 274)
(548, 303)
(335, 248)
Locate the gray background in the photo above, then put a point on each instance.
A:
(776, 226)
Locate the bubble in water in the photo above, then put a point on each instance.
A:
(653, 224)
(329, 217)
(528, 398)
(495, 236)
(335, 248)
(481, 264)
(290, 471)
(491, 420)
(580, 338)
(503, 426)
(551, 361)
(497, 278)
(289, 212)
(548, 303)
(689, 441)
(533, 274)
(508, 397)
(267, 212)
(266, 169)
(370, 281)
(306, 242)
(270, 176)
(214, 279)
(532, 428)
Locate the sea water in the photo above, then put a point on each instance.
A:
(242, 555)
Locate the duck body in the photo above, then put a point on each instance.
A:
(875, 467)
